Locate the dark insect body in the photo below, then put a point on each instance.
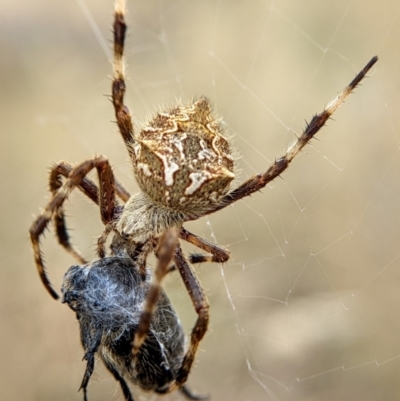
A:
(107, 297)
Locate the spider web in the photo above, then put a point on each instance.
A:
(302, 311)
(307, 306)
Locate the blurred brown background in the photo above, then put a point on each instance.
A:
(307, 308)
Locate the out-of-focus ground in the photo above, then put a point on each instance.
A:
(307, 308)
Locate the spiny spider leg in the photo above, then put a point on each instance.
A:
(218, 253)
(102, 239)
(166, 247)
(88, 188)
(184, 166)
(259, 181)
(201, 306)
(122, 114)
(106, 202)
(63, 169)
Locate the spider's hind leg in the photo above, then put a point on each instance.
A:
(122, 114)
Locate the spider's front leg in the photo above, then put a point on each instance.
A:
(259, 181)
(76, 178)
(88, 188)
(58, 171)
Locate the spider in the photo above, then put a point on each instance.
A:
(183, 164)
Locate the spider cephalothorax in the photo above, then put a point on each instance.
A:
(183, 164)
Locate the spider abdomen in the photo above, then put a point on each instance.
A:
(182, 159)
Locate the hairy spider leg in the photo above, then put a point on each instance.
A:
(122, 113)
(88, 188)
(166, 247)
(259, 181)
(106, 201)
(201, 307)
(218, 253)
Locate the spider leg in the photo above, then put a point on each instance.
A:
(88, 188)
(218, 253)
(201, 306)
(196, 258)
(165, 251)
(101, 240)
(259, 181)
(122, 113)
(63, 169)
(76, 177)
(55, 183)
